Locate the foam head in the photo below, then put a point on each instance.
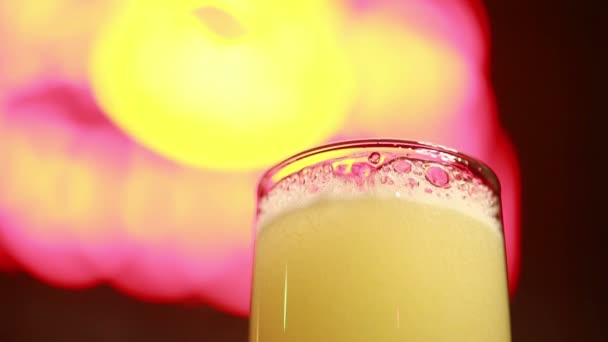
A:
(384, 169)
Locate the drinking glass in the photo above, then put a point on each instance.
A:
(379, 240)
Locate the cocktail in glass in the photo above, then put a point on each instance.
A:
(379, 240)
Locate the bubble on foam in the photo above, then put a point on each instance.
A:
(412, 183)
(401, 165)
(374, 158)
(398, 177)
(362, 170)
(437, 176)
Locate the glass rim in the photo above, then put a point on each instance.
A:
(474, 165)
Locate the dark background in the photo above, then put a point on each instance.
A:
(546, 73)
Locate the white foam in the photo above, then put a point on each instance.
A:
(464, 192)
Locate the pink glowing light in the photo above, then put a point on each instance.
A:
(82, 203)
(7, 264)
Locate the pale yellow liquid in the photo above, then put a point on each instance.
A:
(371, 269)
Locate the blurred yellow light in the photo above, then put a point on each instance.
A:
(223, 84)
(405, 77)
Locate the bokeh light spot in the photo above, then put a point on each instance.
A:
(164, 78)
